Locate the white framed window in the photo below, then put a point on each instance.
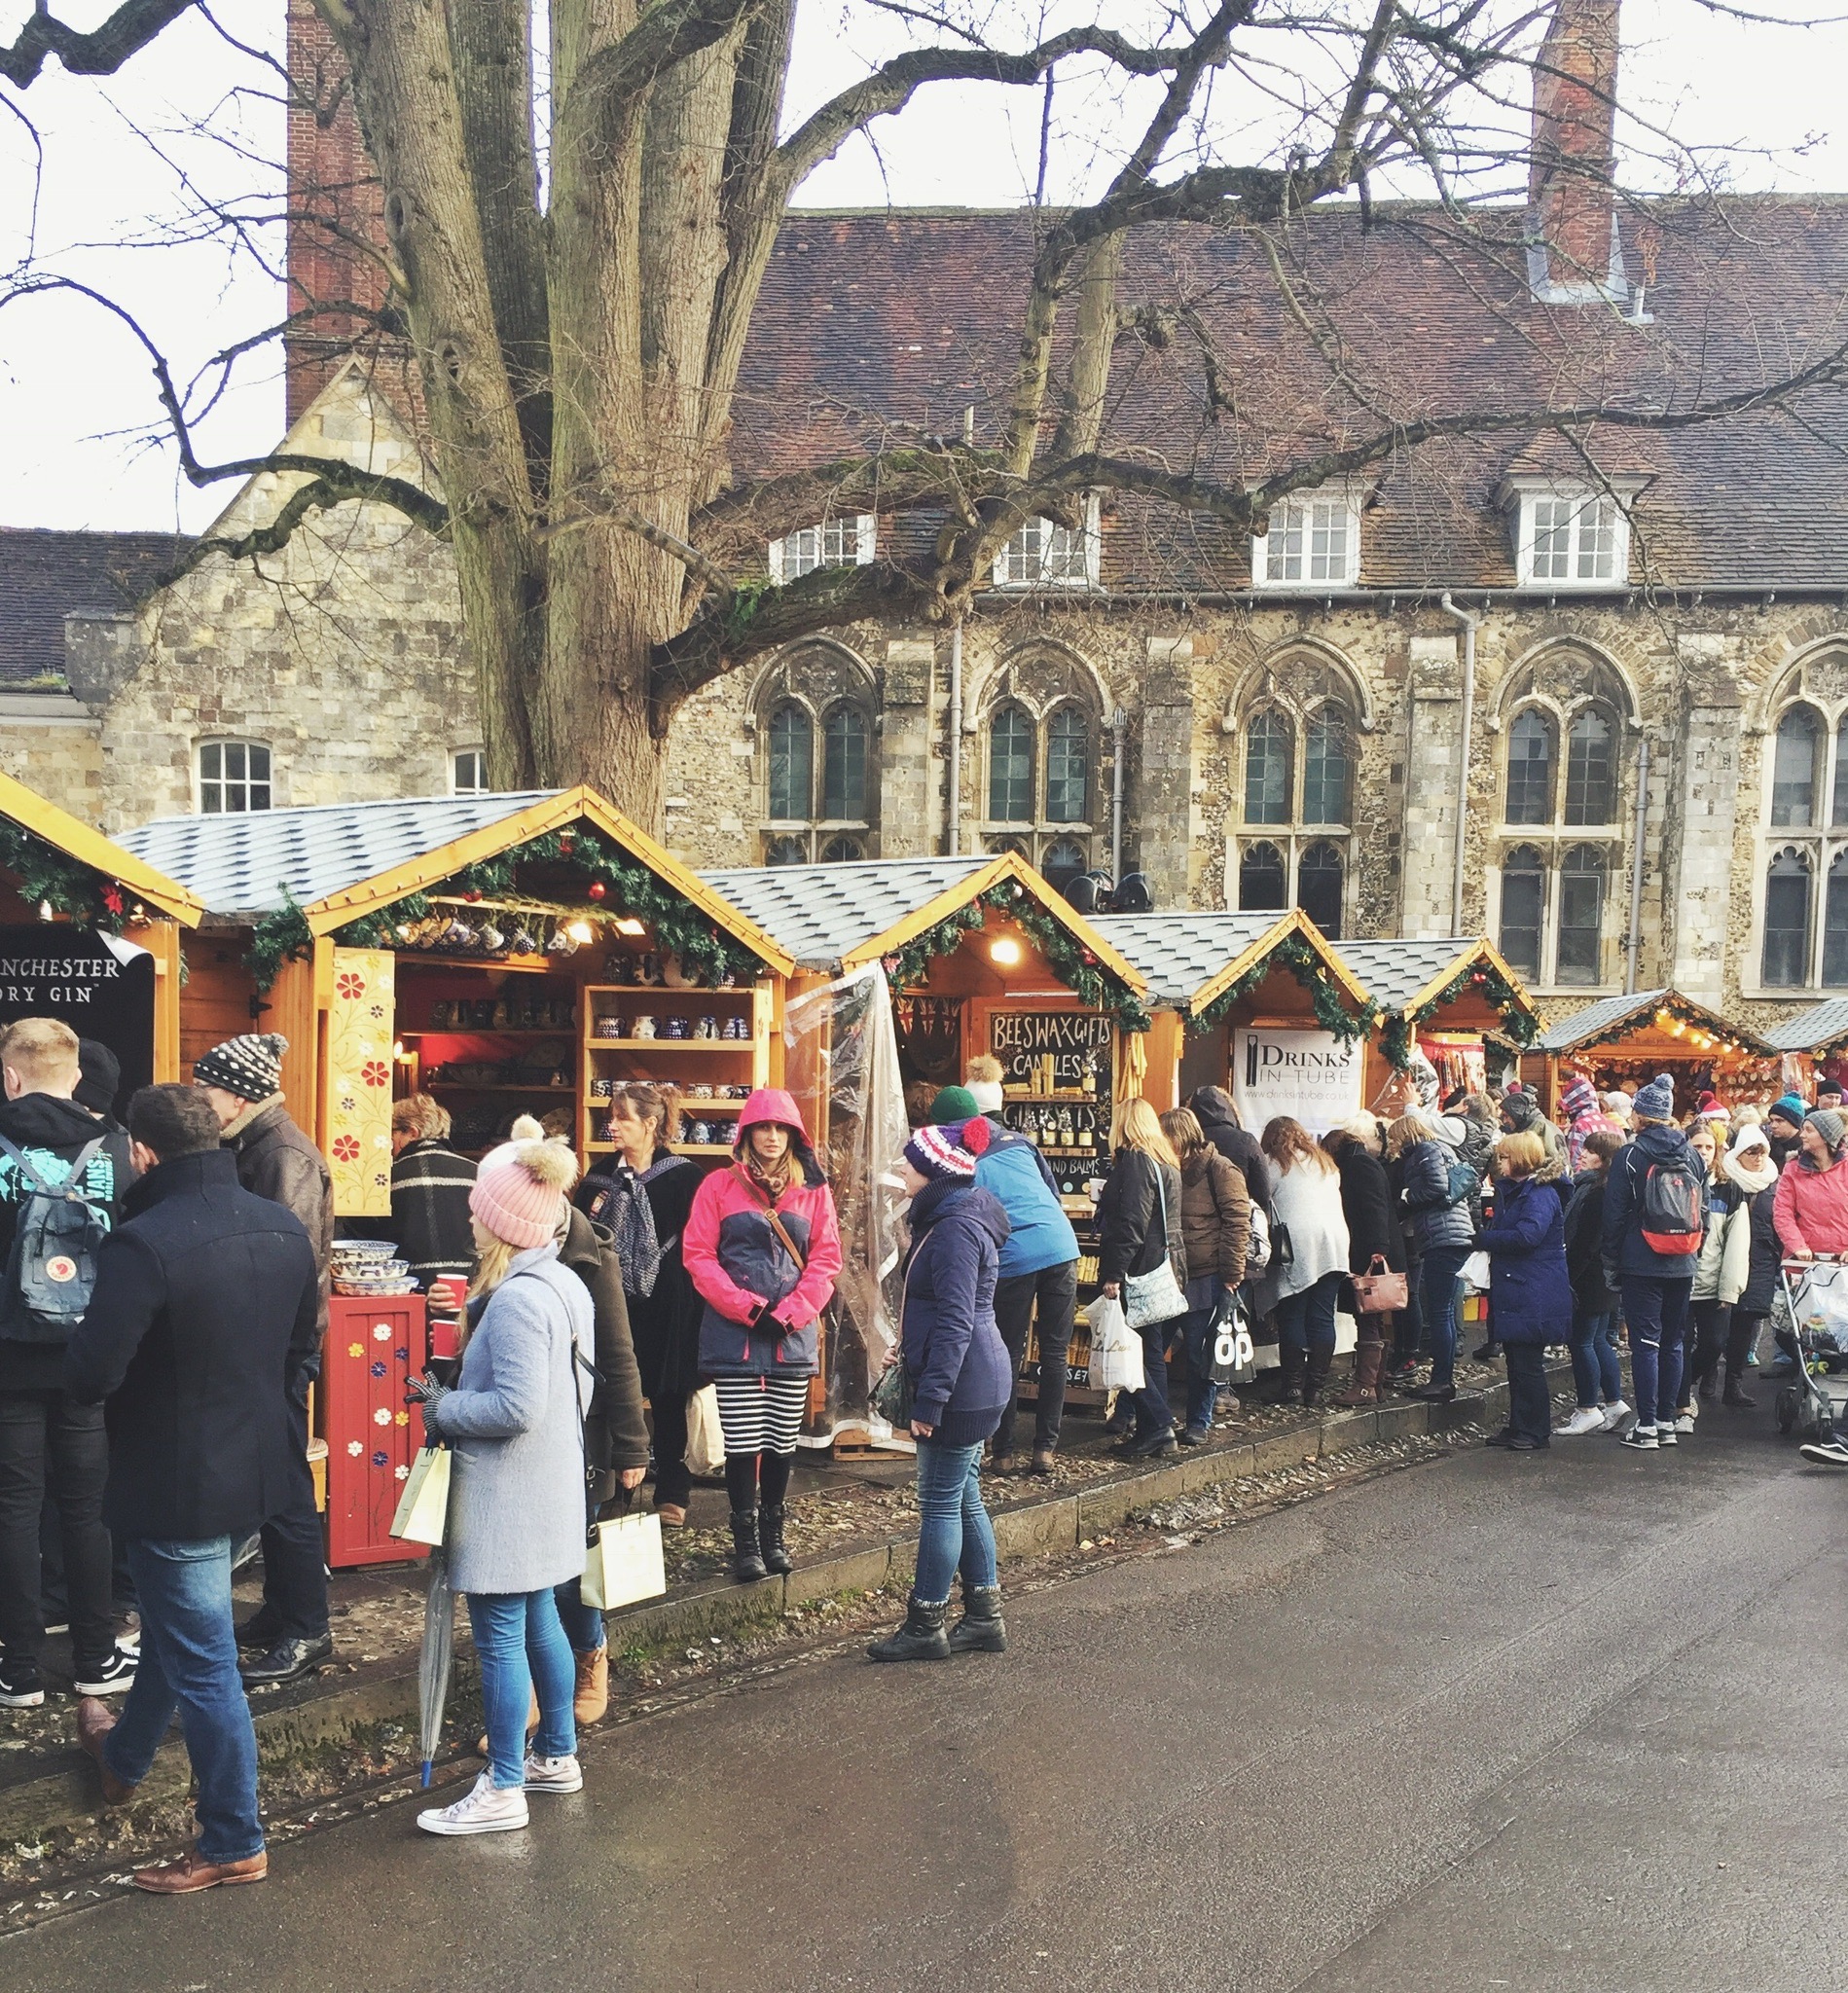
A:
(834, 543)
(1314, 541)
(468, 771)
(234, 777)
(1571, 538)
(1043, 555)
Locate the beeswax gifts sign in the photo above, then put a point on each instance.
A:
(1312, 1076)
(98, 984)
(1050, 1051)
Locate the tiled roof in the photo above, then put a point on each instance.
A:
(45, 576)
(241, 865)
(1392, 972)
(872, 326)
(1177, 954)
(822, 913)
(1821, 1025)
(1584, 1026)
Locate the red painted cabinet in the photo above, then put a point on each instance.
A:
(374, 1349)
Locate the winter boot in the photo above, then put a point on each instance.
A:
(979, 1631)
(1288, 1387)
(770, 1539)
(921, 1638)
(1315, 1375)
(1734, 1395)
(1365, 1387)
(747, 1564)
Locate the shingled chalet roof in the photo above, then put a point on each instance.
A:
(46, 576)
(875, 326)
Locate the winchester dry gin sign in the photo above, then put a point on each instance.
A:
(101, 987)
(1312, 1076)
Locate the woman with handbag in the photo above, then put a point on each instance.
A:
(763, 1247)
(960, 1376)
(1438, 1181)
(514, 1423)
(1304, 1283)
(1529, 1292)
(1139, 1254)
(1215, 1230)
(1376, 1250)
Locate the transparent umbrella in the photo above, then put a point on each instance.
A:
(436, 1659)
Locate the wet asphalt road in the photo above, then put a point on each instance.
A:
(1570, 1721)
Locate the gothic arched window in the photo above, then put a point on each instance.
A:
(1531, 751)
(1269, 747)
(1318, 872)
(1793, 770)
(1263, 886)
(1786, 919)
(844, 766)
(792, 764)
(1010, 767)
(1591, 780)
(1523, 909)
(1068, 767)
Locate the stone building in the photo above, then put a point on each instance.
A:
(1587, 692)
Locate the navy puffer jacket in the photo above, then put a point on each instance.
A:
(959, 1366)
(1436, 1222)
(1530, 1296)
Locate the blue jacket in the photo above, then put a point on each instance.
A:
(1529, 1294)
(1014, 1174)
(1436, 1222)
(959, 1366)
(1624, 1249)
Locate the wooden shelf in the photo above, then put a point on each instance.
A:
(470, 1086)
(700, 1148)
(492, 1030)
(743, 1045)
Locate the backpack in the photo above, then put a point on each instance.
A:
(51, 1271)
(1671, 1208)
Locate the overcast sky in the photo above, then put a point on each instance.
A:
(76, 397)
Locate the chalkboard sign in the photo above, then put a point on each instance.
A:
(1063, 1047)
(101, 987)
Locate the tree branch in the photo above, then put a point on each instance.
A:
(100, 52)
(668, 34)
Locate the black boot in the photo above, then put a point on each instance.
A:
(1288, 1387)
(1735, 1396)
(770, 1539)
(747, 1564)
(920, 1638)
(1315, 1375)
(980, 1630)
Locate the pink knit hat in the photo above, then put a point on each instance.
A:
(519, 1192)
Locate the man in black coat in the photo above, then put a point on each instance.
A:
(48, 1444)
(1218, 1122)
(243, 1079)
(205, 1306)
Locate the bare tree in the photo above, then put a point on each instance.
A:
(577, 309)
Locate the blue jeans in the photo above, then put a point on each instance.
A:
(522, 1648)
(1306, 1321)
(1656, 1311)
(956, 1533)
(1439, 1273)
(189, 1663)
(1194, 1333)
(582, 1624)
(1595, 1372)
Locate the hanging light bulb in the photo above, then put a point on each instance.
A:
(582, 932)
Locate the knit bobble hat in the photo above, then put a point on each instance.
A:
(1788, 1107)
(1750, 1139)
(249, 1066)
(519, 1192)
(1710, 1109)
(987, 1095)
(1657, 1101)
(944, 1152)
(1831, 1123)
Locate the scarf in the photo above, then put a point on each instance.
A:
(631, 1218)
(773, 1183)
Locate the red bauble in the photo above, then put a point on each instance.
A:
(598, 889)
(473, 895)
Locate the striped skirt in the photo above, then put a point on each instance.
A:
(761, 1414)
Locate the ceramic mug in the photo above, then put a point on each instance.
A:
(643, 1028)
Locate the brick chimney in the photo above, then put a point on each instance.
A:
(335, 209)
(1573, 254)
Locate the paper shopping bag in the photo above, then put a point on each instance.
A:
(706, 1442)
(425, 1506)
(623, 1563)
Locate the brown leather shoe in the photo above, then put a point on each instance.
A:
(672, 1515)
(95, 1721)
(592, 1696)
(191, 1871)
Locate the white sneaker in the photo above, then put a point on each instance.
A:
(488, 1808)
(1665, 1433)
(116, 1675)
(1615, 1415)
(553, 1775)
(1827, 1453)
(1642, 1438)
(1684, 1423)
(1586, 1419)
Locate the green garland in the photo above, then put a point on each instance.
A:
(1312, 972)
(1075, 967)
(48, 877)
(1518, 1023)
(633, 890)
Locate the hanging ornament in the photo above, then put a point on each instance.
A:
(598, 889)
(473, 895)
(524, 941)
(567, 844)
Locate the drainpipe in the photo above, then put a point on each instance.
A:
(1635, 939)
(953, 805)
(1470, 623)
(1119, 737)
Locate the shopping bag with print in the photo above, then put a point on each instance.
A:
(425, 1506)
(1116, 1351)
(622, 1563)
(705, 1441)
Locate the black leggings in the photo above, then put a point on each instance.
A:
(1713, 1321)
(754, 1478)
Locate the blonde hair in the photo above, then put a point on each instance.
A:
(43, 1052)
(1702, 1126)
(1181, 1126)
(1138, 1126)
(985, 1069)
(420, 1116)
(1521, 1153)
(492, 1262)
(1415, 1125)
(1285, 1140)
(1749, 1115)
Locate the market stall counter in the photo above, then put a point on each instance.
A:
(1621, 1042)
(1812, 1045)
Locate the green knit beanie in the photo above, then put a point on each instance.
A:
(954, 1104)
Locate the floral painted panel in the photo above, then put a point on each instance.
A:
(359, 1081)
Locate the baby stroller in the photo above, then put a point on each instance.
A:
(1810, 1320)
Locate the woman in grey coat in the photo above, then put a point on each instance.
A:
(516, 1523)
